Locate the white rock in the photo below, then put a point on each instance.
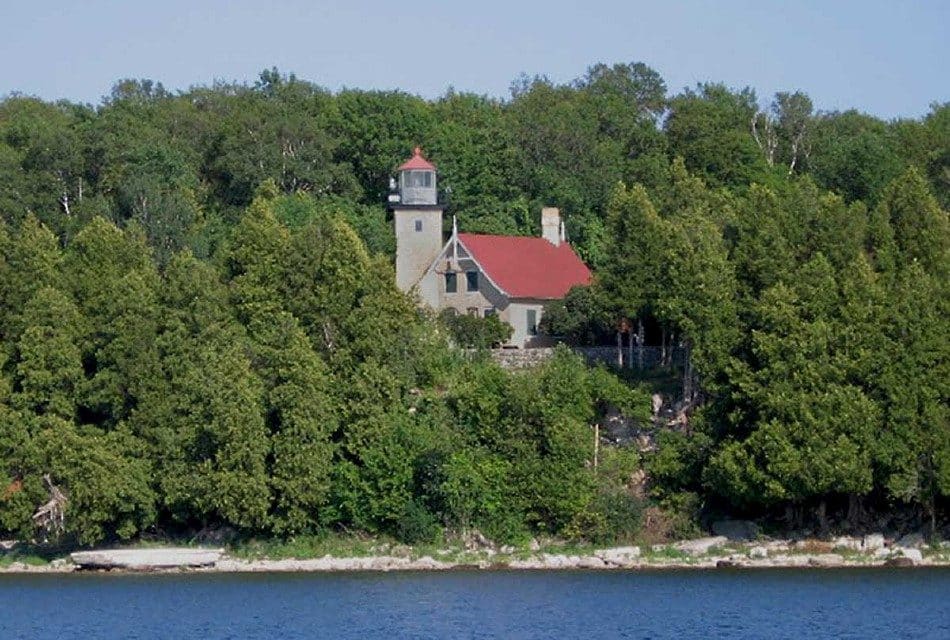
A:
(847, 542)
(913, 554)
(619, 556)
(758, 552)
(911, 541)
(873, 542)
(700, 546)
(825, 560)
(427, 563)
(590, 562)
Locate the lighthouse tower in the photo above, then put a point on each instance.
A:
(417, 216)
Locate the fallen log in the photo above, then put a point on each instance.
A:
(146, 559)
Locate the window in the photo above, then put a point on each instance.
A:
(451, 283)
(473, 311)
(415, 179)
(489, 312)
(532, 322)
(418, 225)
(471, 279)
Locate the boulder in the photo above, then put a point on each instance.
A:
(914, 555)
(848, 542)
(700, 546)
(619, 556)
(911, 541)
(789, 561)
(590, 562)
(873, 542)
(475, 540)
(736, 530)
(757, 553)
(428, 563)
(812, 545)
(899, 561)
(825, 560)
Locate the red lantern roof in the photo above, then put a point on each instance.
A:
(417, 161)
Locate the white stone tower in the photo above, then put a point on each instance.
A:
(417, 217)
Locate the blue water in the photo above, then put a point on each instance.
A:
(858, 604)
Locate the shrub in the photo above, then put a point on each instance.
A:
(472, 332)
(417, 524)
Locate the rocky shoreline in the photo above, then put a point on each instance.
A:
(716, 552)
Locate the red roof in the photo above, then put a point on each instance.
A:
(527, 267)
(417, 161)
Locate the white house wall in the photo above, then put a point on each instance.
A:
(517, 317)
(431, 288)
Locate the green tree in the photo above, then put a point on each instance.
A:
(206, 421)
(921, 227)
(710, 128)
(297, 402)
(49, 362)
(854, 155)
(32, 258)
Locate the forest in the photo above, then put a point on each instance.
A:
(199, 326)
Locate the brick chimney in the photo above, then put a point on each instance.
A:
(551, 225)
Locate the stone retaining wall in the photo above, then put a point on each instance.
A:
(526, 358)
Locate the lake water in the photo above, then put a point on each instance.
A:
(858, 604)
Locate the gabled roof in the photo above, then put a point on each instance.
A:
(527, 267)
(417, 161)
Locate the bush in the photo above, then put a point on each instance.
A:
(417, 525)
(613, 516)
(472, 332)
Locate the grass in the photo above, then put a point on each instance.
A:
(306, 547)
(666, 552)
(938, 554)
(11, 557)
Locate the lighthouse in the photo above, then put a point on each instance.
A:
(417, 218)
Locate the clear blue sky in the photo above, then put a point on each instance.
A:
(891, 59)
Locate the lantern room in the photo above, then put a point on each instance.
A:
(417, 181)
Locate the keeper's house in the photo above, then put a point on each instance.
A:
(481, 275)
